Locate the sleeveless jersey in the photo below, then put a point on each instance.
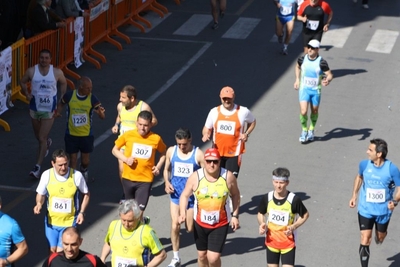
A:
(44, 91)
(183, 168)
(128, 118)
(227, 130)
(288, 8)
(311, 74)
(63, 200)
(279, 218)
(376, 190)
(211, 210)
(79, 115)
(132, 248)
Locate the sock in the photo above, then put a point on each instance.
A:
(313, 118)
(176, 254)
(37, 165)
(364, 255)
(303, 121)
(285, 46)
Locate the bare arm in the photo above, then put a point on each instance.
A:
(105, 251)
(154, 120)
(61, 79)
(235, 195)
(85, 203)
(167, 172)
(328, 78)
(297, 71)
(250, 128)
(186, 193)
(299, 222)
(24, 82)
(262, 229)
(22, 250)
(356, 187)
(200, 158)
(206, 134)
(115, 128)
(101, 111)
(39, 203)
(157, 259)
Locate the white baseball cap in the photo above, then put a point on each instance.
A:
(314, 43)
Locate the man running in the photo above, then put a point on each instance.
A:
(181, 161)
(79, 137)
(128, 110)
(43, 102)
(377, 186)
(311, 71)
(285, 16)
(231, 126)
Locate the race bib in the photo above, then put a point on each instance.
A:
(226, 127)
(44, 102)
(286, 10)
(278, 217)
(62, 205)
(311, 82)
(312, 24)
(209, 217)
(182, 169)
(79, 119)
(375, 195)
(124, 262)
(141, 151)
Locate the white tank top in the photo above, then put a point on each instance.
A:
(44, 91)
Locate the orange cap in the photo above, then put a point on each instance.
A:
(227, 92)
(212, 153)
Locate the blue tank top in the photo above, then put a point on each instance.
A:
(288, 8)
(376, 190)
(183, 168)
(311, 74)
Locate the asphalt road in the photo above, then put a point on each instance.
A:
(180, 72)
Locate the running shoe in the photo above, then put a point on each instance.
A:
(310, 135)
(365, 6)
(215, 26)
(284, 51)
(175, 263)
(49, 142)
(280, 39)
(35, 172)
(303, 137)
(146, 220)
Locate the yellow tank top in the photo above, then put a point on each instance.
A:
(128, 117)
(63, 199)
(211, 208)
(279, 218)
(79, 115)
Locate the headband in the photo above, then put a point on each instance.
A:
(278, 178)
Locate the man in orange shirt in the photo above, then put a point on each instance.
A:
(139, 159)
(232, 125)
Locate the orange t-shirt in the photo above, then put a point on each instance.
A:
(143, 149)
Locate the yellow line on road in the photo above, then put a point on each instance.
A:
(244, 7)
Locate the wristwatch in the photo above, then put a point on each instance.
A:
(81, 212)
(395, 203)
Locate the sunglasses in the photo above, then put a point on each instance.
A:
(215, 161)
(312, 48)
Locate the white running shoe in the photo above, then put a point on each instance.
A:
(365, 6)
(310, 135)
(49, 142)
(303, 137)
(175, 263)
(35, 172)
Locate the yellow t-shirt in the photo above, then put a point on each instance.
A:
(132, 247)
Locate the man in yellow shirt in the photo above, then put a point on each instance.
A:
(131, 241)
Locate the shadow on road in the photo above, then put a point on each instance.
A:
(395, 260)
(243, 245)
(343, 72)
(343, 132)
